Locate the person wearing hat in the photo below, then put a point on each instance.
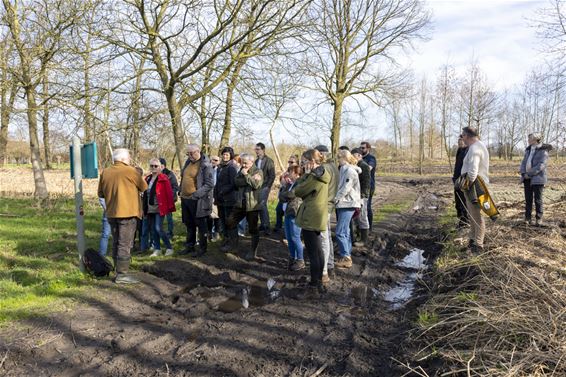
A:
(533, 176)
(476, 164)
(175, 187)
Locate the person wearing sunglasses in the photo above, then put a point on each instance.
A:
(158, 203)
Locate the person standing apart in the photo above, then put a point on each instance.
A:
(365, 147)
(175, 187)
(312, 217)
(120, 185)
(267, 166)
(197, 184)
(476, 164)
(157, 204)
(533, 176)
(459, 197)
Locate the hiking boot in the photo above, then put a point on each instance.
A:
(344, 262)
(364, 238)
(125, 279)
(156, 253)
(325, 279)
(169, 252)
(297, 265)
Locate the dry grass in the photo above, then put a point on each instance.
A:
(502, 313)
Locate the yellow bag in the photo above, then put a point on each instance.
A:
(486, 202)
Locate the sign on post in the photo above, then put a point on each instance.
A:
(84, 164)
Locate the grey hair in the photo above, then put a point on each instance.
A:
(155, 160)
(121, 154)
(247, 157)
(193, 146)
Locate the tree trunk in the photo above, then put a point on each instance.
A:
(6, 108)
(227, 129)
(336, 125)
(135, 143)
(38, 177)
(176, 124)
(205, 142)
(88, 117)
(45, 122)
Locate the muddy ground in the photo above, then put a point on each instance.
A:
(187, 318)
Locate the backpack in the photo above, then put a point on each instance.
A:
(96, 264)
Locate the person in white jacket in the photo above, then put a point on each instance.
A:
(476, 164)
(348, 199)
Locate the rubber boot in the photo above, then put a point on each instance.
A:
(122, 277)
(364, 238)
(252, 254)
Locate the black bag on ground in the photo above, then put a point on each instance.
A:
(96, 264)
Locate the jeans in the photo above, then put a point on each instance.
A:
(104, 235)
(147, 237)
(343, 235)
(327, 248)
(279, 215)
(264, 212)
(158, 231)
(293, 233)
(533, 192)
(313, 245)
(170, 225)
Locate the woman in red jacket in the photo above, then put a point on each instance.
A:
(157, 203)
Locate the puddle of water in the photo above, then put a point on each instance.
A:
(402, 292)
(414, 260)
(254, 296)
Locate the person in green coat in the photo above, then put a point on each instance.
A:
(248, 205)
(312, 216)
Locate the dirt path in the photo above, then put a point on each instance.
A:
(186, 319)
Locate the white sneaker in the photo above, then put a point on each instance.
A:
(156, 253)
(169, 252)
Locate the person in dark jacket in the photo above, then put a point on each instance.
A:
(365, 147)
(362, 220)
(533, 176)
(197, 184)
(279, 212)
(248, 181)
(225, 190)
(267, 166)
(459, 197)
(175, 188)
(157, 204)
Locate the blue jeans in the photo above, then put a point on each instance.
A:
(104, 235)
(146, 238)
(169, 225)
(293, 233)
(279, 215)
(156, 222)
(344, 216)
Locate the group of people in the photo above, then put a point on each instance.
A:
(472, 163)
(218, 193)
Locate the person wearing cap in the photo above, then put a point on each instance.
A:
(459, 198)
(476, 164)
(533, 176)
(365, 187)
(370, 159)
(327, 245)
(175, 187)
(225, 192)
(197, 185)
(267, 166)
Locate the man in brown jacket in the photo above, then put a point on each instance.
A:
(120, 185)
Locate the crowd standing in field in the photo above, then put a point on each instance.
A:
(220, 194)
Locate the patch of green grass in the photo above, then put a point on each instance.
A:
(427, 318)
(38, 256)
(466, 296)
(391, 208)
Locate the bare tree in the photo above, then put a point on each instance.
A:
(8, 91)
(350, 39)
